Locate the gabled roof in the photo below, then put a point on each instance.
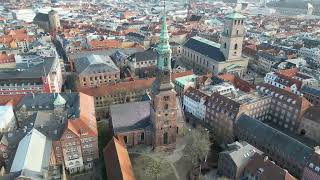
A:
(41, 17)
(32, 155)
(130, 116)
(92, 64)
(265, 134)
(147, 55)
(205, 47)
(240, 152)
(265, 169)
(118, 164)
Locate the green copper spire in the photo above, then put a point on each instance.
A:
(163, 49)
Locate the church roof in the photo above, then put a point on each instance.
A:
(130, 116)
(235, 15)
(41, 17)
(205, 47)
(59, 101)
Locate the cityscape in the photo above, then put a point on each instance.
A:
(160, 90)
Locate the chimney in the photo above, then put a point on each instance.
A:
(317, 150)
(265, 158)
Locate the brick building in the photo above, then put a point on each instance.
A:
(96, 70)
(69, 121)
(312, 94)
(43, 77)
(261, 167)
(312, 167)
(222, 112)
(286, 108)
(155, 122)
(310, 124)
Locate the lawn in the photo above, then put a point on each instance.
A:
(138, 168)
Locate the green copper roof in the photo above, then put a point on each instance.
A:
(59, 101)
(235, 15)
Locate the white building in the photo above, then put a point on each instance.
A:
(7, 120)
(194, 103)
(224, 88)
(24, 14)
(313, 53)
(293, 81)
(32, 158)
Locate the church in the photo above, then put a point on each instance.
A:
(205, 56)
(154, 122)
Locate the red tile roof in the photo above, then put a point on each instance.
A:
(238, 82)
(117, 161)
(265, 169)
(86, 123)
(105, 44)
(5, 58)
(10, 99)
(134, 85)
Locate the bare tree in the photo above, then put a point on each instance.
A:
(157, 166)
(198, 145)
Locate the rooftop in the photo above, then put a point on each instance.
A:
(274, 138)
(92, 64)
(235, 15)
(130, 116)
(32, 155)
(205, 47)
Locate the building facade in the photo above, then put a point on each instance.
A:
(222, 112)
(96, 70)
(194, 103)
(312, 94)
(310, 124)
(205, 56)
(286, 108)
(44, 77)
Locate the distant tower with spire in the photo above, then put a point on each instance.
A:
(164, 101)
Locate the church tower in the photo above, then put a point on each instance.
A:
(164, 101)
(54, 20)
(232, 36)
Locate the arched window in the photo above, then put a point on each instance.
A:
(165, 138)
(165, 63)
(238, 22)
(235, 22)
(166, 106)
(225, 45)
(237, 32)
(242, 22)
(227, 32)
(236, 46)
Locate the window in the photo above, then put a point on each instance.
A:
(236, 46)
(125, 138)
(166, 106)
(142, 136)
(237, 32)
(225, 45)
(166, 98)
